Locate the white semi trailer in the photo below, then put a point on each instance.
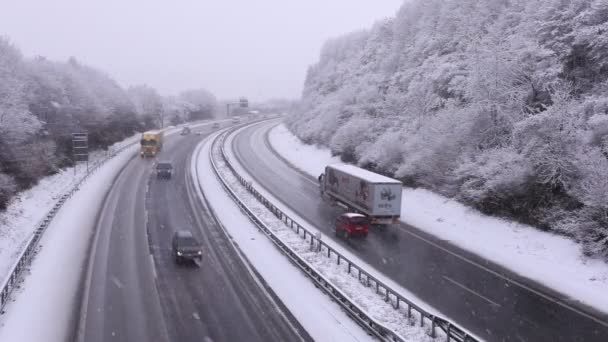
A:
(362, 191)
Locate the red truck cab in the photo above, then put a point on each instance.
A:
(351, 224)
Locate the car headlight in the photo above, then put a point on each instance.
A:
(179, 253)
(199, 253)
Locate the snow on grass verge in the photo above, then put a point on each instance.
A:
(44, 305)
(28, 208)
(364, 296)
(549, 259)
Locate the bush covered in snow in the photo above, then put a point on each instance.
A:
(43, 102)
(500, 104)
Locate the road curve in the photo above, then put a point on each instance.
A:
(135, 292)
(468, 289)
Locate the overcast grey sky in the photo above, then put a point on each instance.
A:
(256, 48)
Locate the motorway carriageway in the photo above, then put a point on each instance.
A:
(480, 296)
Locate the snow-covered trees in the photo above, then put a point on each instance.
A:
(43, 102)
(501, 104)
(199, 104)
(148, 103)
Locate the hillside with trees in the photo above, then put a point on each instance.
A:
(500, 104)
(42, 102)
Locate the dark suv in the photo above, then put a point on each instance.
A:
(164, 170)
(351, 224)
(185, 247)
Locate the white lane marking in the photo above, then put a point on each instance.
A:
(470, 290)
(117, 282)
(153, 267)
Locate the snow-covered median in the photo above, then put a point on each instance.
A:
(44, 306)
(552, 260)
(365, 297)
(321, 318)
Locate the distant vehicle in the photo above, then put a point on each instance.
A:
(236, 120)
(185, 247)
(358, 190)
(151, 143)
(199, 133)
(352, 224)
(216, 125)
(185, 131)
(164, 170)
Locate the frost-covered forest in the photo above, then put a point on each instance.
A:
(42, 102)
(501, 104)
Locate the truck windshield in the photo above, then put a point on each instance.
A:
(148, 142)
(164, 166)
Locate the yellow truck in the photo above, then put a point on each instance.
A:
(151, 143)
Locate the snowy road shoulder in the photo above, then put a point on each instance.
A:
(549, 259)
(44, 306)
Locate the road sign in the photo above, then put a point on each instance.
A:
(80, 147)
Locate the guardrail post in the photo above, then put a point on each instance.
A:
(409, 310)
(328, 252)
(433, 327)
(349, 266)
(338, 259)
(449, 331)
(397, 304)
(386, 298)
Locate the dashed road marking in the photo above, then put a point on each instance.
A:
(153, 267)
(471, 291)
(117, 282)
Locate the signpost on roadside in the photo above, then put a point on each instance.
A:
(243, 103)
(80, 149)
